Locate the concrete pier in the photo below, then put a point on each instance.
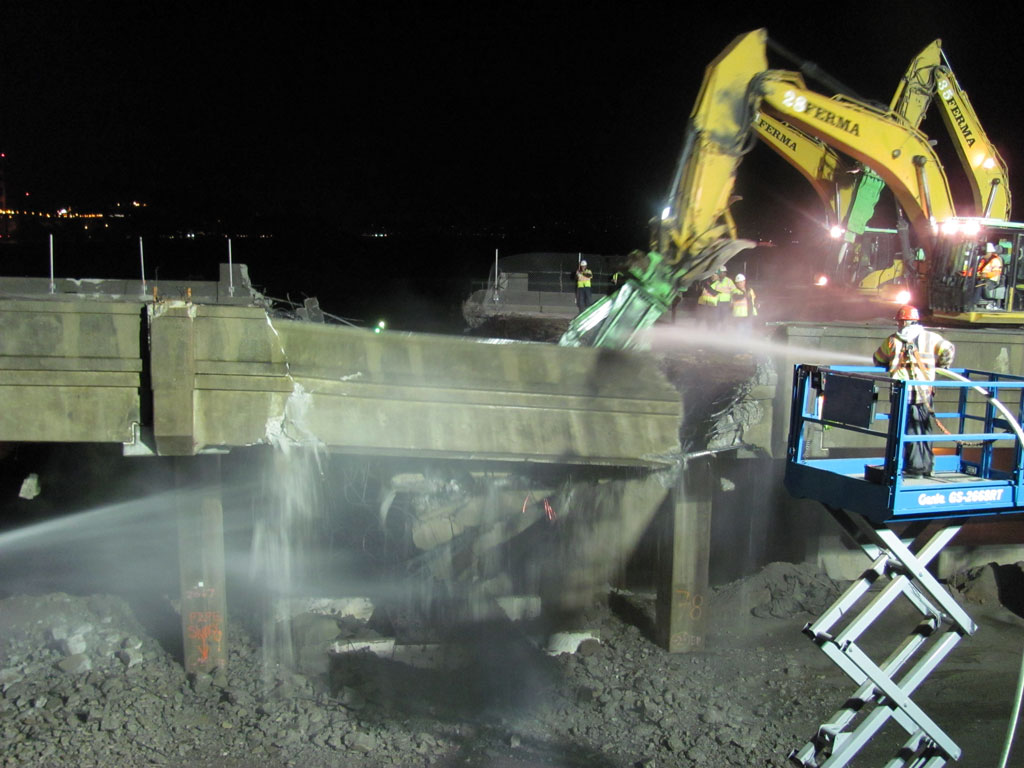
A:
(201, 563)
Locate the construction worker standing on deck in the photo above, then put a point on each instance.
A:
(724, 289)
(912, 353)
(583, 278)
(744, 306)
(706, 303)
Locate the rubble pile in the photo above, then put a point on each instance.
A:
(83, 684)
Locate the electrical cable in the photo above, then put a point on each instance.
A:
(1019, 695)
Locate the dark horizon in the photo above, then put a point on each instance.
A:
(563, 118)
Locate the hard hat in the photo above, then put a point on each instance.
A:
(989, 248)
(583, 262)
(908, 314)
(721, 269)
(740, 278)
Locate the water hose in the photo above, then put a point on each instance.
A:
(1005, 756)
(1014, 425)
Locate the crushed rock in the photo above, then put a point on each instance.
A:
(622, 702)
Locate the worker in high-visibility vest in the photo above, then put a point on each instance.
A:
(724, 289)
(990, 276)
(583, 278)
(706, 303)
(912, 353)
(744, 305)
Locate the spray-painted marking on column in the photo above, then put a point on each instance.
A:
(205, 626)
(197, 593)
(685, 640)
(689, 602)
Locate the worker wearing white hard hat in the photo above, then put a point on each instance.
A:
(744, 304)
(583, 279)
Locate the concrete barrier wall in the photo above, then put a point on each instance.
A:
(70, 371)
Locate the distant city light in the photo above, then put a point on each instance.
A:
(381, 325)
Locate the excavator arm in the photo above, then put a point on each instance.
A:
(897, 152)
(696, 233)
(828, 173)
(929, 78)
(979, 157)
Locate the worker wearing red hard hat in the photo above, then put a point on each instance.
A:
(912, 353)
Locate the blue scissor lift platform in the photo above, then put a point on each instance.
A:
(892, 518)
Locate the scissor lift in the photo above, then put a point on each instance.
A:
(893, 519)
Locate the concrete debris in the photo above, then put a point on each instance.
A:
(72, 646)
(360, 608)
(361, 742)
(378, 646)
(520, 607)
(568, 642)
(130, 657)
(75, 665)
(30, 487)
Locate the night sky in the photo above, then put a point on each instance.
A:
(390, 114)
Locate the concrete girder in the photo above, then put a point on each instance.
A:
(257, 380)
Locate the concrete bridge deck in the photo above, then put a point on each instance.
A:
(185, 377)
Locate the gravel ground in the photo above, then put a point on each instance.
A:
(84, 684)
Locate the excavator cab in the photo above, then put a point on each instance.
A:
(958, 292)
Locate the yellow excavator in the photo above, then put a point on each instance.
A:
(696, 233)
(867, 256)
(928, 79)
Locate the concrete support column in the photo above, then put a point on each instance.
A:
(683, 554)
(201, 563)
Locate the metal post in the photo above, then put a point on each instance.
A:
(201, 563)
(231, 272)
(53, 286)
(142, 266)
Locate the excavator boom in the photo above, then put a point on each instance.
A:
(985, 167)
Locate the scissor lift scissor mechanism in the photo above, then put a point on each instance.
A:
(901, 524)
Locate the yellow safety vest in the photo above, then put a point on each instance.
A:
(725, 288)
(745, 305)
(915, 359)
(583, 278)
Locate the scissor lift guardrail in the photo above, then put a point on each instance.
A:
(869, 495)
